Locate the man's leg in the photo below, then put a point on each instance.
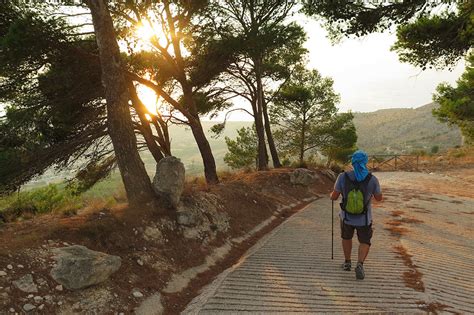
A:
(347, 248)
(347, 232)
(363, 252)
(364, 234)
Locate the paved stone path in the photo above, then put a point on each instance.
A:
(291, 271)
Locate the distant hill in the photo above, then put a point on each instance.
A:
(388, 130)
(403, 130)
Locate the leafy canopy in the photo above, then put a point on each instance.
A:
(457, 103)
(243, 150)
(307, 117)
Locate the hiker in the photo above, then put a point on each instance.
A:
(357, 188)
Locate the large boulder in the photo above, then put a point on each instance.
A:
(303, 176)
(79, 267)
(168, 182)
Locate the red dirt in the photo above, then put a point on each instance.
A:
(432, 308)
(412, 277)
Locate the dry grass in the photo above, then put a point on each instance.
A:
(412, 277)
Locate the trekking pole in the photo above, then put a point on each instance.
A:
(332, 230)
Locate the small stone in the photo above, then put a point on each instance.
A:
(48, 297)
(137, 294)
(60, 303)
(59, 287)
(28, 307)
(9, 267)
(26, 284)
(2, 273)
(12, 310)
(38, 299)
(41, 307)
(20, 266)
(30, 296)
(140, 262)
(76, 306)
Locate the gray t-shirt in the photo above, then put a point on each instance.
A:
(373, 188)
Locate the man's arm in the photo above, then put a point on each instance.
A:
(337, 188)
(377, 190)
(334, 195)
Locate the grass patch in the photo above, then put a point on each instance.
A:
(51, 198)
(57, 198)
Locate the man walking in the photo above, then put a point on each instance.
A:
(357, 188)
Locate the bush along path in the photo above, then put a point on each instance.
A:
(421, 259)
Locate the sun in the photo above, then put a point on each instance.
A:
(149, 98)
(145, 31)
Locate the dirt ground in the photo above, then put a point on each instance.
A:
(432, 216)
(153, 246)
(420, 262)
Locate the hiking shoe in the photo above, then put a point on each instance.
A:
(346, 266)
(359, 270)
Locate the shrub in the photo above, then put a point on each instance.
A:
(43, 200)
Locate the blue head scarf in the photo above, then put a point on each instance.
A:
(359, 163)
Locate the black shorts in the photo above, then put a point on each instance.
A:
(364, 233)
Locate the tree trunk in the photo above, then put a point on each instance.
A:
(136, 181)
(210, 170)
(303, 140)
(147, 132)
(262, 156)
(271, 141)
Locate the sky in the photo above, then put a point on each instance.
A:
(367, 75)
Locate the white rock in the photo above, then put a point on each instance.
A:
(20, 266)
(12, 310)
(28, 307)
(38, 299)
(41, 307)
(140, 262)
(30, 296)
(26, 284)
(2, 273)
(79, 267)
(60, 303)
(137, 294)
(9, 267)
(59, 287)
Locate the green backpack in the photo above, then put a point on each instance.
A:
(353, 202)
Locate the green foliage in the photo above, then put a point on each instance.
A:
(306, 113)
(438, 40)
(430, 33)
(52, 87)
(51, 198)
(419, 152)
(457, 103)
(243, 150)
(434, 149)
